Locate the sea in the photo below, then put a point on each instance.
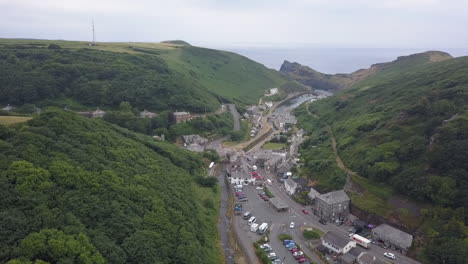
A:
(332, 60)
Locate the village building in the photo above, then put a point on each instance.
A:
(272, 164)
(332, 206)
(392, 237)
(290, 185)
(179, 117)
(148, 114)
(279, 204)
(98, 113)
(8, 108)
(337, 243)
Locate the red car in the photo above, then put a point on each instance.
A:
(240, 194)
(294, 250)
(298, 257)
(305, 211)
(301, 260)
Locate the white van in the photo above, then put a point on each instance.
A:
(252, 220)
(263, 227)
(247, 215)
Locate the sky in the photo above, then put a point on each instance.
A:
(244, 23)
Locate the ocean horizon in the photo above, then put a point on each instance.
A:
(331, 60)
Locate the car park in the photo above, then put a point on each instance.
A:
(389, 255)
(291, 225)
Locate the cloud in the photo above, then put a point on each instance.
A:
(337, 22)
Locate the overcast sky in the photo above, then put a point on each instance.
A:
(281, 23)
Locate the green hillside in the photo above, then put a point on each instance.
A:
(335, 82)
(155, 76)
(78, 190)
(404, 133)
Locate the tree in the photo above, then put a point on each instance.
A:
(52, 245)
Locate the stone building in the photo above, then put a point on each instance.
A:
(337, 243)
(330, 206)
(179, 117)
(392, 237)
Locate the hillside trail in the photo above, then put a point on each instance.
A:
(339, 162)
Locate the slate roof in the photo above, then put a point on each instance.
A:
(393, 235)
(290, 183)
(336, 239)
(334, 197)
(313, 194)
(278, 203)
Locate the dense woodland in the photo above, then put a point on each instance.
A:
(78, 190)
(93, 78)
(407, 130)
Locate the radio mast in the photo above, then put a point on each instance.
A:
(94, 34)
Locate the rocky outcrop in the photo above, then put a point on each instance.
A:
(334, 82)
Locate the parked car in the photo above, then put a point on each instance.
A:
(268, 249)
(291, 225)
(266, 199)
(323, 222)
(302, 260)
(298, 253)
(264, 245)
(290, 245)
(291, 248)
(243, 200)
(389, 255)
(269, 182)
(305, 211)
(297, 257)
(240, 194)
(272, 256)
(261, 193)
(287, 241)
(259, 188)
(294, 250)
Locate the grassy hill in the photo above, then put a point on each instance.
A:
(155, 76)
(78, 190)
(335, 82)
(404, 132)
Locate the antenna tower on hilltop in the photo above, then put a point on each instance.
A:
(94, 35)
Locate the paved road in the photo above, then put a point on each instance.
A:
(224, 222)
(312, 220)
(235, 116)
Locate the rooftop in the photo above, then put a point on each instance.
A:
(334, 197)
(278, 203)
(313, 193)
(336, 239)
(180, 113)
(394, 235)
(290, 182)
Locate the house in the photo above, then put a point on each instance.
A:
(179, 117)
(272, 164)
(312, 194)
(238, 177)
(8, 108)
(98, 113)
(331, 206)
(392, 237)
(337, 243)
(348, 259)
(194, 139)
(147, 114)
(290, 186)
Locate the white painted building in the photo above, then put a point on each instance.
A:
(337, 243)
(290, 186)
